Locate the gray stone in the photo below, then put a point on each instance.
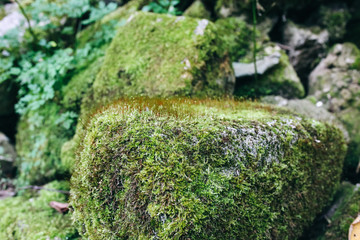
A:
(248, 69)
(305, 47)
(307, 108)
(335, 82)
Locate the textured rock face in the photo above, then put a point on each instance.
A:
(334, 83)
(7, 157)
(308, 109)
(306, 47)
(185, 169)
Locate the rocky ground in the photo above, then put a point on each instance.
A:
(131, 135)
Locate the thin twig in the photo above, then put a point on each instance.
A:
(46, 189)
(254, 37)
(27, 19)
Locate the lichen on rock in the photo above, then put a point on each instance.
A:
(202, 169)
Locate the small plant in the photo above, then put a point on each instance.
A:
(163, 6)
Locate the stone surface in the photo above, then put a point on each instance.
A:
(264, 64)
(335, 84)
(278, 80)
(306, 47)
(7, 157)
(306, 108)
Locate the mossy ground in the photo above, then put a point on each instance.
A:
(39, 139)
(191, 169)
(30, 217)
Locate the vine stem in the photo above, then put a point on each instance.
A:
(254, 36)
(27, 19)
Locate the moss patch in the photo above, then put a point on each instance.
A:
(26, 218)
(187, 169)
(236, 35)
(148, 57)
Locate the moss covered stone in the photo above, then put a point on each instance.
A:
(31, 218)
(148, 57)
(39, 139)
(191, 169)
(280, 80)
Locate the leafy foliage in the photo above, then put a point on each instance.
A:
(163, 6)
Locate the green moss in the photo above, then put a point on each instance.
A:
(197, 10)
(80, 85)
(147, 57)
(236, 36)
(280, 80)
(39, 139)
(345, 213)
(335, 21)
(191, 169)
(25, 218)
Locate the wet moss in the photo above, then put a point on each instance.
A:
(31, 218)
(236, 35)
(194, 169)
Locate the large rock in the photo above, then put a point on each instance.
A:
(147, 57)
(335, 85)
(7, 157)
(188, 169)
(306, 47)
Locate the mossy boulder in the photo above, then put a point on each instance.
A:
(30, 217)
(335, 85)
(40, 137)
(202, 169)
(147, 57)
